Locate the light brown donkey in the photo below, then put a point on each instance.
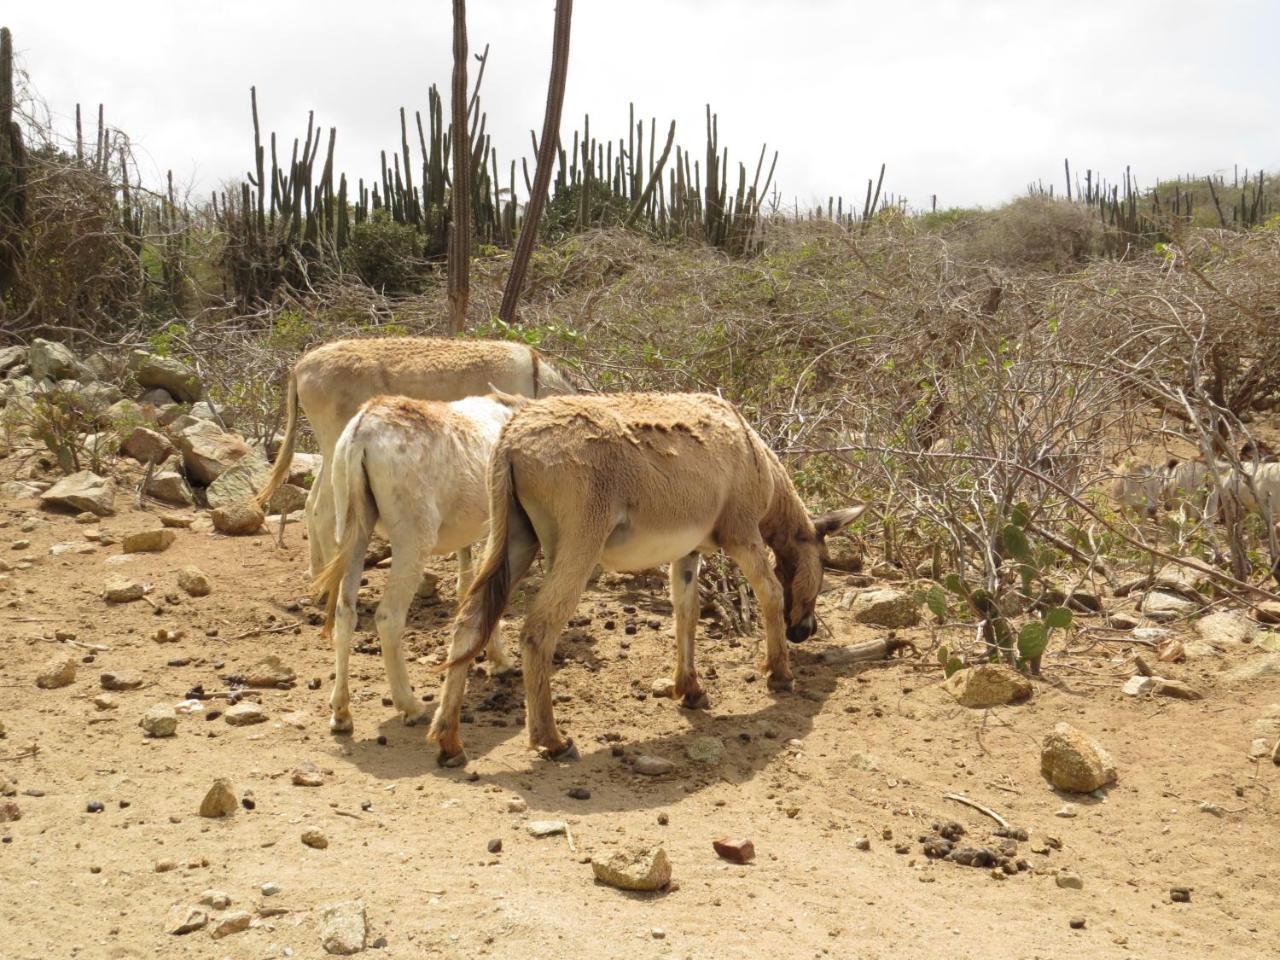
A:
(631, 481)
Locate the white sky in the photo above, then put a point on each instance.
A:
(968, 99)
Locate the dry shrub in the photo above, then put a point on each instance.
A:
(1039, 233)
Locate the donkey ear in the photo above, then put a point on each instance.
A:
(831, 522)
(512, 401)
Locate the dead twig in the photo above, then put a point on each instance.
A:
(958, 798)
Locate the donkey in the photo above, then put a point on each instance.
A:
(415, 469)
(631, 481)
(331, 382)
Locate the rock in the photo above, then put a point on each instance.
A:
(705, 750)
(176, 521)
(230, 923)
(1268, 611)
(184, 918)
(662, 689)
(104, 701)
(304, 467)
(643, 868)
(124, 413)
(120, 680)
(154, 540)
(11, 357)
(1074, 761)
(215, 899)
(546, 828)
(1176, 689)
(204, 410)
(17, 490)
(1163, 607)
(884, 607)
(343, 927)
(315, 839)
(100, 396)
(1225, 629)
(1258, 667)
(1069, 880)
(517, 805)
(168, 485)
(160, 720)
(239, 519)
(1067, 811)
(58, 672)
(1120, 620)
(166, 373)
(239, 483)
(735, 849)
(157, 397)
(147, 446)
(270, 888)
(307, 774)
(987, 685)
(1180, 894)
(1139, 686)
(83, 491)
(220, 801)
(245, 714)
(208, 451)
(494, 845)
(269, 672)
(52, 361)
(194, 582)
(9, 811)
(122, 590)
(650, 766)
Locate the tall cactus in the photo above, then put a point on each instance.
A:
(13, 161)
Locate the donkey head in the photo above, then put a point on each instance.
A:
(799, 568)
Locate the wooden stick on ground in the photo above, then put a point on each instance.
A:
(1004, 824)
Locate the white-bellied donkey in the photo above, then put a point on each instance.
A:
(330, 383)
(631, 481)
(416, 470)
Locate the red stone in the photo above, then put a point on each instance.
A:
(735, 849)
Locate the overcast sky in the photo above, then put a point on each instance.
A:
(968, 99)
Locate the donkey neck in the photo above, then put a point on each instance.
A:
(786, 517)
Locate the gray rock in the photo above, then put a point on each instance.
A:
(1162, 606)
(208, 451)
(168, 485)
(343, 927)
(100, 396)
(287, 499)
(104, 366)
(304, 467)
(194, 582)
(546, 828)
(158, 398)
(217, 899)
(229, 923)
(160, 720)
(83, 491)
(147, 446)
(245, 713)
(122, 590)
(643, 868)
(1257, 667)
(238, 519)
(166, 373)
(1075, 762)
(185, 918)
(651, 766)
(1139, 686)
(122, 413)
(206, 410)
(52, 361)
(239, 483)
(18, 490)
(11, 357)
(1069, 880)
(884, 607)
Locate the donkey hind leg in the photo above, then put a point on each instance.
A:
(466, 571)
(684, 600)
(343, 627)
(753, 560)
(407, 552)
(548, 613)
(522, 547)
(312, 515)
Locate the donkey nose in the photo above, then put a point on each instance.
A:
(802, 631)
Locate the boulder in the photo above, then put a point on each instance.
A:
(1163, 606)
(168, 485)
(205, 410)
(1268, 611)
(100, 396)
(208, 451)
(154, 540)
(987, 685)
(238, 519)
(11, 357)
(304, 467)
(166, 373)
(644, 868)
(83, 491)
(122, 414)
(147, 446)
(104, 366)
(52, 361)
(884, 607)
(343, 927)
(1074, 761)
(239, 483)
(287, 499)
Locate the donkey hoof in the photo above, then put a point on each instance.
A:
(340, 726)
(782, 684)
(459, 759)
(415, 718)
(567, 754)
(696, 701)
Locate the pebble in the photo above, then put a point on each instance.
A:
(494, 845)
(194, 582)
(94, 806)
(579, 793)
(160, 720)
(1180, 894)
(1076, 923)
(862, 843)
(1069, 880)
(735, 849)
(662, 688)
(546, 828)
(230, 923)
(643, 868)
(164, 866)
(315, 839)
(307, 774)
(663, 819)
(220, 801)
(270, 888)
(708, 751)
(658, 933)
(184, 918)
(122, 590)
(650, 766)
(245, 713)
(148, 541)
(216, 899)
(58, 672)
(1067, 811)
(120, 680)
(516, 805)
(343, 927)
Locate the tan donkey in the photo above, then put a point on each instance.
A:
(631, 481)
(331, 382)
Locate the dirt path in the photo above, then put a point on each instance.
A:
(853, 753)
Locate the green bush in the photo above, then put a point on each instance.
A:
(385, 255)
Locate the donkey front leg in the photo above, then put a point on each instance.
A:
(753, 560)
(684, 600)
(402, 584)
(343, 627)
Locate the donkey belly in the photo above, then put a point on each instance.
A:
(631, 549)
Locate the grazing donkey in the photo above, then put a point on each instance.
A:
(416, 470)
(631, 481)
(331, 382)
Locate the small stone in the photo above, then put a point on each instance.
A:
(494, 845)
(83, 491)
(546, 828)
(270, 671)
(315, 839)
(220, 801)
(650, 766)
(662, 688)
(862, 843)
(658, 933)
(708, 751)
(238, 519)
(1268, 611)
(579, 793)
(160, 720)
(1138, 686)
(230, 923)
(1069, 880)
(122, 590)
(58, 672)
(635, 868)
(165, 866)
(343, 927)
(184, 918)
(215, 899)
(1076, 923)
(120, 680)
(1176, 689)
(987, 685)
(735, 849)
(94, 806)
(307, 774)
(885, 607)
(1075, 762)
(270, 888)
(194, 582)
(177, 521)
(1163, 607)
(245, 713)
(9, 811)
(154, 540)
(1067, 811)
(516, 805)
(1180, 894)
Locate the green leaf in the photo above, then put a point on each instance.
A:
(956, 585)
(952, 665)
(1021, 514)
(944, 654)
(1058, 617)
(936, 600)
(1015, 541)
(1032, 639)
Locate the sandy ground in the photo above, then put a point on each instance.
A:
(854, 752)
